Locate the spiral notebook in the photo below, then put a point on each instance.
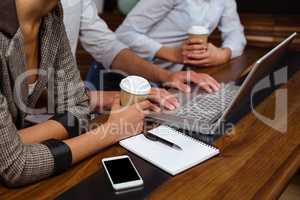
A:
(166, 158)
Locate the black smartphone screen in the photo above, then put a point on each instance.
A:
(121, 170)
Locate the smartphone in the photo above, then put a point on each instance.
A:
(122, 173)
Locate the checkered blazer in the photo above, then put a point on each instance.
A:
(20, 163)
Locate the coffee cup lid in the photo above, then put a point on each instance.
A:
(135, 85)
(198, 30)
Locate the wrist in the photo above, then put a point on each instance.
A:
(226, 54)
(170, 54)
(163, 75)
(107, 131)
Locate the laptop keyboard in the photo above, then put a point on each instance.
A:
(209, 107)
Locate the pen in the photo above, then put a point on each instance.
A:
(156, 138)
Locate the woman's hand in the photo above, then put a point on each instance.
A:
(125, 122)
(102, 101)
(122, 123)
(179, 81)
(163, 98)
(198, 54)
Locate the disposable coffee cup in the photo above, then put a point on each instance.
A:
(199, 32)
(134, 89)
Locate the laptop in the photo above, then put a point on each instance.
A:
(209, 114)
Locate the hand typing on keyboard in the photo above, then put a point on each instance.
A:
(207, 107)
(180, 79)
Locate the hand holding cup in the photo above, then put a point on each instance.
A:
(134, 89)
(197, 42)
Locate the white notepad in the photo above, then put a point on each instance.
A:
(166, 158)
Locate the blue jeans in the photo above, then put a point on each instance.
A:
(99, 78)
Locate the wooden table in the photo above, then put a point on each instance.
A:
(255, 162)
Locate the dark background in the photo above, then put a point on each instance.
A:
(269, 6)
(250, 6)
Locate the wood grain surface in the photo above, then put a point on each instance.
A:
(256, 161)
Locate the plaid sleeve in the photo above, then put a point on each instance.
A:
(19, 163)
(70, 94)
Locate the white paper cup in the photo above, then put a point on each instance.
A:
(134, 89)
(199, 32)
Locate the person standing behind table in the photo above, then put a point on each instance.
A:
(33, 39)
(83, 24)
(157, 30)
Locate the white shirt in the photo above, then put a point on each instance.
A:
(156, 23)
(82, 22)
